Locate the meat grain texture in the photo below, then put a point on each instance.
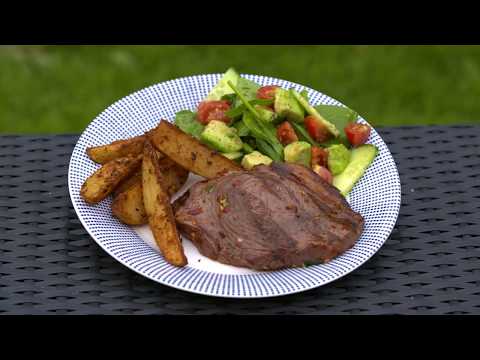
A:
(271, 217)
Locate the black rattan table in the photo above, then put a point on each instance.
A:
(429, 265)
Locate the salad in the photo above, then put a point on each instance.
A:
(254, 124)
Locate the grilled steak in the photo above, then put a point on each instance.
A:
(271, 217)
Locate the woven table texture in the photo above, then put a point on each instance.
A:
(429, 265)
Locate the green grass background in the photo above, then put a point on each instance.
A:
(58, 89)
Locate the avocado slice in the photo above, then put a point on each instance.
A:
(233, 155)
(338, 158)
(286, 106)
(255, 158)
(312, 111)
(298, 152)
(222, 88)
(360, 160)
(265, 113)
(221, 137)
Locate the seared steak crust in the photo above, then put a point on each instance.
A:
(269, 218)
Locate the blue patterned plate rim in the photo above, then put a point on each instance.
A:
(380, 209)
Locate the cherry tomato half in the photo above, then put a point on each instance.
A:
(267, 92)
(319, 156)
(316, 129)
(286, 134)
(324, 173)
(357, 134)
(213, 110)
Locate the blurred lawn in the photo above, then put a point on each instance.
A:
(56, 89)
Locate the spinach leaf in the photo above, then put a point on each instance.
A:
(242, 129)
(231, 98)
(253, 126)
(240, 108)
(187, 121)
(247, 148)
(303, 134)
(266, 133)
(259, 128)
(249, 144)
(235, 112)
(247, 88)
(266, 149)
(339, 116)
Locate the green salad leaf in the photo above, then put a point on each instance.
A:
(303, 134)
(265, 132)
(259, 129)
(266, 149)
(247, 148)
(250, 140)
(339, 116)
(247, 88)
(231, 98)
(242, 129)
(238, 109)
(187, 121)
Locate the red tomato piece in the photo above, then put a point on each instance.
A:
(324, 173)
(213, 110)
(316, 129)
(267, 92)
(319, 156)
(357, 134)
(286, 134)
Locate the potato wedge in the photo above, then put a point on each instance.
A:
(188, 152)
(158, 209)
(128, 207)
(173, 175)
(128, 182)
(127, 204)
(104, 181)
(120, 148)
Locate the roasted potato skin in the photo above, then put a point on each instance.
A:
(128, 182)
(188, 152)
(174, 176)
(117, 149)
(128, 206)
(104, 181)
(158, 208)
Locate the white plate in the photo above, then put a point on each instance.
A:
(376, 197)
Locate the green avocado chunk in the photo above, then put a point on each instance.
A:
(255, 158)
(265, 113)
(338, 158)
(221, 137)
(287, 107)
(298, 152)
(233, 155)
